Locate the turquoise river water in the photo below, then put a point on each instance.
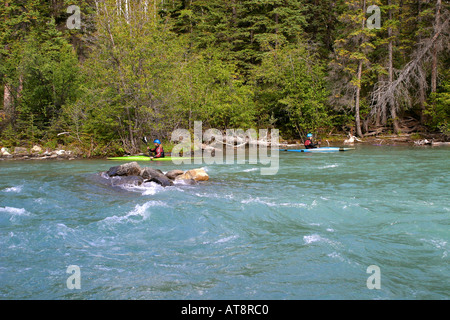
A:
(309, 232)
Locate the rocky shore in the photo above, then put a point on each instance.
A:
(35, 153)
(39, 153)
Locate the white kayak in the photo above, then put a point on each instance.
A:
(324, 149)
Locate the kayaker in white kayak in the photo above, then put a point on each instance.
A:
(309, 143)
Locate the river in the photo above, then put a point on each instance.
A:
(309, 232)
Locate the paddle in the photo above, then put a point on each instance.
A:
(144, 139)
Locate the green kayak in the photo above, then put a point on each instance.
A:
(147, 158)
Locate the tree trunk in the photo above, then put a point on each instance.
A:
(234, 14)
(8, 105)
(395, 120)
(358, 87)
(434, 50)
(422, 91)
(391, 74)
(422, 99)
(357, 103)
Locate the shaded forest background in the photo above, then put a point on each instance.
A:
(139, 68)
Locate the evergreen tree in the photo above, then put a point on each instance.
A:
(351, 61)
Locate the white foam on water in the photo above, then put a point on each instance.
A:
(438, 244)
(14, 214)
(258, 200)
(138, 211)
(15, 211)
(274, 204)
(222, 240)
(214, 195)
(316, 238)
(61, 230)
(250, 170)
(181, 182)
(151, 188)
(336, 255)
(147, 188)
(16, 189)
(312, 238)
(294, 205)
(105, 175)
(226, 239)
(329, 166)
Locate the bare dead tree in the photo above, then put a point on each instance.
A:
(413, 75)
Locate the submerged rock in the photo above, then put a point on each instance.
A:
(127, 181)
(188, 182)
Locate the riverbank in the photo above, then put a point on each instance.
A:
(65, 153)
(37, 153)
(414, 139)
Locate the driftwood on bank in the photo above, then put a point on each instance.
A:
(426, 142)
(237, 142)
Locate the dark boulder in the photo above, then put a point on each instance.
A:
(150, 174)
(127, 169)
(172, 174)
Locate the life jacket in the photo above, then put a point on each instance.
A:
(159, 152)
(307, 142)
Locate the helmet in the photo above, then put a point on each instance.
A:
(157, 141)
(309, 135)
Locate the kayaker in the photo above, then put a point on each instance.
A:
(158, 150)
(309, 144)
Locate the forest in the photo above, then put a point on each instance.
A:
(98, 75)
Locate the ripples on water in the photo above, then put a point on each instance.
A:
(309, 232)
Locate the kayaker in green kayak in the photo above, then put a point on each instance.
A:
(309, 144)
(158, 150)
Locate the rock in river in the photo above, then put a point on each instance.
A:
(194, 174)
(133, 174)
(126, 181)
(172, 174)
(150, 174)
(127, 169)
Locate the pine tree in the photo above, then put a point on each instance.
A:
(351, 59)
